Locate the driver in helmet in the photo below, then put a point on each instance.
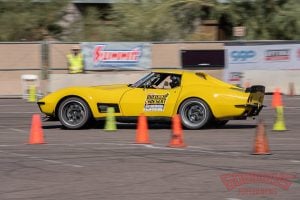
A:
(169, 82)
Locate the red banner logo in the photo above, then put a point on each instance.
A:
(100, 55)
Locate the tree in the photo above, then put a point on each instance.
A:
(286, 24)
(263, 19)
(161, 20)
(29, 20)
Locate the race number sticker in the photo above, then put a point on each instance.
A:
(155, 102)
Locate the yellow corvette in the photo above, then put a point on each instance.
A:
(197, 97)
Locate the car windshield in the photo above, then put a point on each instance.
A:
(141, 82)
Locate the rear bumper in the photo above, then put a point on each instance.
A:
(251, 110)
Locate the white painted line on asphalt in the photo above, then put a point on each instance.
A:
(203, 148)
(291, 107)
(18, 112)
(295, 161)
(157, 146)
(286, 139)
(285, 107)
(232, 199)
(93, 143)
(162, 148)
(41, 159)
(10, 145)
(284, 144)
(62, 163)
(116, 148)
(194, 150)
(10, 105)
(53, 161)
(18, 130)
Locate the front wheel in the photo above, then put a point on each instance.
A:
(74, 113)
(194, 113)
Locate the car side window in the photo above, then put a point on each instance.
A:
(169, 82)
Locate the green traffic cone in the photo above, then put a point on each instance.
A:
(279, 124)
(32, 94)
(110, 124)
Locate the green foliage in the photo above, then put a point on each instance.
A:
(28, 20)
(144, 20)
(286, 22)
(161, 20)
(263, 19)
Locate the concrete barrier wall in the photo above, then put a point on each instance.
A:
(287, 80)
(18, 59)
(20, 56)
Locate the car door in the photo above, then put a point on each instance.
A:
(150, 101)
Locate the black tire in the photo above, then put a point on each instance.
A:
(74, 113)
(194, 113)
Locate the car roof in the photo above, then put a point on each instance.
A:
(172, 71)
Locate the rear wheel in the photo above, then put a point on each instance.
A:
(194, 113)
(74, 113)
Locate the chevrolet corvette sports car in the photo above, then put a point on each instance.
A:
(197, 97)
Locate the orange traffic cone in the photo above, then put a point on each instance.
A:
(177, 133)
(36, 131)
(261, 145)
(276, 99)
(142, 135)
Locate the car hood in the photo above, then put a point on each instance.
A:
(104, 92)
(111, 87)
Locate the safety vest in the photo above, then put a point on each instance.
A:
(75, 63)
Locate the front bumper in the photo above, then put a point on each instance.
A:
(46, 108)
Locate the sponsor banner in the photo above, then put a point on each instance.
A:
(259, 57)
(116, 55)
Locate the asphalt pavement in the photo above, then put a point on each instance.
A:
(92, 164)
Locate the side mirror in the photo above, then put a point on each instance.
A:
(147, 84)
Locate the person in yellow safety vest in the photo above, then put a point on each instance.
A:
(75, 60)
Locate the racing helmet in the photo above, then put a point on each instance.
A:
(175, 81)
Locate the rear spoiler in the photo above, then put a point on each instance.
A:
(255, 88)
